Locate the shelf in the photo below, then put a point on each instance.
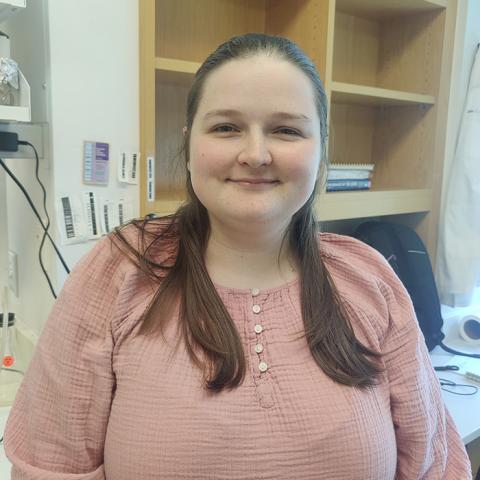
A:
(21, 112)
(174, 65)
(173, 71)
(344, 205)
(7, 9)
(373, 96)
(371, 203)
(381, 9)
(163, 207)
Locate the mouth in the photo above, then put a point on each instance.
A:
(253, 181)
(254, 184)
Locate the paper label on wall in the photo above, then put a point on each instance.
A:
(115, 213)
(128, 167)
(71, 221)
(91, 215)
(150, 179)
(95, 163)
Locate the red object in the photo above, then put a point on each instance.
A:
(8, 361)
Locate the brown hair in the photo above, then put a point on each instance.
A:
(184, 281)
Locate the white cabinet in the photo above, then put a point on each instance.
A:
(7, 9)
(22, 111)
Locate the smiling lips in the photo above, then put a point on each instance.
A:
(253, 181)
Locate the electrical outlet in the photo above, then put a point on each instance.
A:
(36, 134)
(13, 272)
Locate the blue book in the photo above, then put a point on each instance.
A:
(336, 185)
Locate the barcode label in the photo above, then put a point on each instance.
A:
(150, 179)
(120, 213)
(134, 166)
(90, 209)
(67, 215)
(92, 214)
(105, 218)
(124, 161)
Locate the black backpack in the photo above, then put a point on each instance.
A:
(407, 255)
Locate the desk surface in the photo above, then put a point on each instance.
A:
(465, 410)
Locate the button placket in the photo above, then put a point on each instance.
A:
(263, 382)
(256, 309)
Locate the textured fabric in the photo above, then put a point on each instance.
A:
(100, 403)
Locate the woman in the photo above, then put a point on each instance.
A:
(284, 353)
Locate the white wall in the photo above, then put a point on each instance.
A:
(95, 94)
(90, 73)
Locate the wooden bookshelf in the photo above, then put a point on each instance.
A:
(359, 204)
(381, 9)
(386, 66)
(376, 97)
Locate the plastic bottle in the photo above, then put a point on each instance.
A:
(10, 375)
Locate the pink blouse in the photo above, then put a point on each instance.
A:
(100, 403)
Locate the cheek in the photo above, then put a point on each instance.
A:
(206, 158)
(302, 164)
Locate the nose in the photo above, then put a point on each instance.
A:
(255, 151)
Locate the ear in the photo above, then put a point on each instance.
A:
(188, 166)
(184, 130)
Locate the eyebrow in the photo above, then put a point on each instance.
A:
(236, 113)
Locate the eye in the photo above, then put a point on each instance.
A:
(288, 131)
(224, 129)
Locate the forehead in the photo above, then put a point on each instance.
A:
(259, 83)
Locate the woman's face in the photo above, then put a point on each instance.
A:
(255, 142)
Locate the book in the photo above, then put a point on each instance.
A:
(349, 175)
(351, 166)
(338, 171)
(336, 185)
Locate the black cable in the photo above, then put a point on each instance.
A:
(45, 228)
(44, 236)
(29, 200)
(450, 383)
(456, 352)
(12, 176)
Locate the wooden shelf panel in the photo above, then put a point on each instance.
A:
(344, 205)
(373, 96)
(371, 203)
(381, 9)
(175, 65)
(175, 72)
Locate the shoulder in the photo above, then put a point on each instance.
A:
(117, 255)
(349, 253)
(151, 240)
(364, 278)
(349, 257)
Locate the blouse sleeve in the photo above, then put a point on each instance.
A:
(57, 424)
(429, 446)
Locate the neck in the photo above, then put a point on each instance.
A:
(248, 258)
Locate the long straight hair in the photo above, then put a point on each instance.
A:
(183, 280)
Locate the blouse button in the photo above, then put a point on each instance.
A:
(258, 328)
(262, 366)
(259, 348)
(256, 309)
(255, 292)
